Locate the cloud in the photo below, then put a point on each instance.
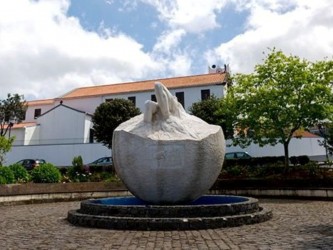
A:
(302, 28)
(45, 53)
(191, 16)
(169, 40)
(184, 20)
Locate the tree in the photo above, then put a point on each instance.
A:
(11, 109)
(5, 147)
(206, 110)
(109, 115)
(211, 111)
(284, 95)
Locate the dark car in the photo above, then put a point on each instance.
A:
(30, 164)
(237, 155)
(101, 163)
(104, 161)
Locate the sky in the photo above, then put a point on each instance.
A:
(50, 47)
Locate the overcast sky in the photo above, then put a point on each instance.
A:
(50, 47)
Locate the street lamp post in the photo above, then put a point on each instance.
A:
(322, 132)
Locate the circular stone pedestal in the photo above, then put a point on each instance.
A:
(130, 213)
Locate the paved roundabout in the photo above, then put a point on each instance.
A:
(296, 224)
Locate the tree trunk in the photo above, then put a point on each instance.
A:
(286, 154)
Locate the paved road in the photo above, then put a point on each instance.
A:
(296, 225)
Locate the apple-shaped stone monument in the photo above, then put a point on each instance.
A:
(166, 156)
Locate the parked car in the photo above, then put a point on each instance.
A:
(103, 162)
(30, 164)
(237, 155)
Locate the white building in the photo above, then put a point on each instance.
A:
(59, 129)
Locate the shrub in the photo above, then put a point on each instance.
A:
(254, 162)
(96, 168)
(293, 160)
(45, 173)
(235, 171)
(113, 178)
(77, 172)
(303, 159)
(268, 170)
(21, 175)
(78, 175)
(7, 175)
(299, 160)
(2, 180)
(63, 170)
(77, 162)
(102, 176)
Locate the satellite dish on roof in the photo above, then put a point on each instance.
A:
(214, 69)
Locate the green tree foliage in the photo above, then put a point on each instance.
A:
(13, 107)
(206, 110)
(212, 111)
(285, 94)
(109, 115)
(5, 146)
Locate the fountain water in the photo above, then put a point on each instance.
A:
(168, 159)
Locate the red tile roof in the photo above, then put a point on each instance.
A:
(23, 124)
(40, 102)
(141, 86)
(304, 134)
(171, 83)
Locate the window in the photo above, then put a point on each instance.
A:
(91, 136)
(132, 99)
(109, 100)
(153, 98)
(38, 112)
(180, 98)
(205, 94)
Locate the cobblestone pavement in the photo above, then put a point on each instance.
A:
(295, 225)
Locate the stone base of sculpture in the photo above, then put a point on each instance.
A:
(130, 213)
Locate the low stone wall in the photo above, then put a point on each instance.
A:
(46, 188)
(34, 193)
(50, 192)
(324, 194)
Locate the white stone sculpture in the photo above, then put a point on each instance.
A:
(167, 156)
